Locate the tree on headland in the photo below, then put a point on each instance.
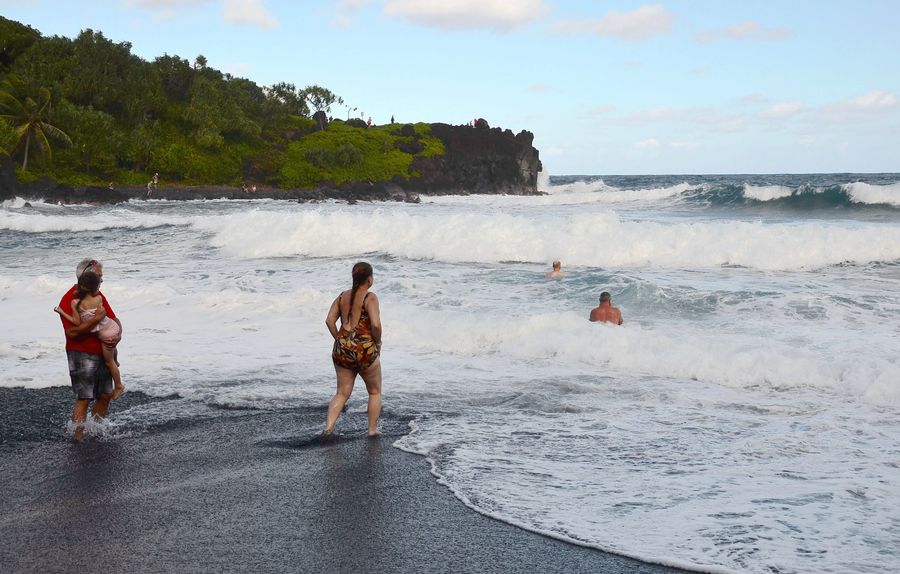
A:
(321, 99)
(288, 98)
(28, 118)
(15, 38)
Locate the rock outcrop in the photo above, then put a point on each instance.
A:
(478, 160)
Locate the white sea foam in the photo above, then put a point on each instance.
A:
(874, 194)
(576, 193)
(76, 221)
(601, 239)
(766, 192)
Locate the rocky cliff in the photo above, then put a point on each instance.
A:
(479, 160)
(475, 160)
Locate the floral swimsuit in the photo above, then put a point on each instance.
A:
(356, 349)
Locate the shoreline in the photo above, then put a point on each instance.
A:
(381, 192)
(245, 489)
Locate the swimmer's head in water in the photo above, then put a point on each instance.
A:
(556, 265)
(605, 297)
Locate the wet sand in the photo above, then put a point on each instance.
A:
(246, 490)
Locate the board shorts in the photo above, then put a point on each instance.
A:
(89, 374)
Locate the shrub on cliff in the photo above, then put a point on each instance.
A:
(342, 153)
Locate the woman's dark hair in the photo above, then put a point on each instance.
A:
(88, 284)
(361, 273)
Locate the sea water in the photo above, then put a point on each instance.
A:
(744, 418)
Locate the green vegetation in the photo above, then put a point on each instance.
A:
(342, 153)
(98, 113)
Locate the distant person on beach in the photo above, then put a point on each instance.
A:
(605, 312)
(91, 378)
(557, 272)
(151, 185)
(357, 346)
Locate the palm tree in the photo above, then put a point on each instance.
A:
(27, 118)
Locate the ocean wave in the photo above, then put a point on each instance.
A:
(597, 240)
(681, 353)
(806, 197)
(29, 222)
(860, 192)
(575, 193)
(767, 192)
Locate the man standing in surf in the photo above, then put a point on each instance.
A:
(605, 312)
(91, 379)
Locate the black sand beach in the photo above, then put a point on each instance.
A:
(241, 491)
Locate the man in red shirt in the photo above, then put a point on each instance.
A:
(90, 377)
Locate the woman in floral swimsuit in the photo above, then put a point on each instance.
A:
(357, 346)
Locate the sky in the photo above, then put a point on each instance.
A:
(607, 87)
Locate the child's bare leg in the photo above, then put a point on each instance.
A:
(109, 357)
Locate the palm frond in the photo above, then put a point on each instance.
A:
(56, 133)
(43, 143)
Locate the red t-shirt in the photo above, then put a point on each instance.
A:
(89, 342)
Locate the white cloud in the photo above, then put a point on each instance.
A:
(637, 25)
(167, 9)
(500, 15)
(874, 105)
(748, 30)
(250, 12)
(651, 143)
(781, 110)
(346, 10)
(539, 88)
(754, 99)
(699, 117)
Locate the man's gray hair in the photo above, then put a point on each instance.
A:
(85, 265)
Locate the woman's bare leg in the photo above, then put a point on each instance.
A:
(372, 378)
(345, 380)
(109, 357)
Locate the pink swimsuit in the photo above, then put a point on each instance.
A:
(107, 329)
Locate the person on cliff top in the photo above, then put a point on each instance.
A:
(557, 272)
(605, 312)
(91, 378)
